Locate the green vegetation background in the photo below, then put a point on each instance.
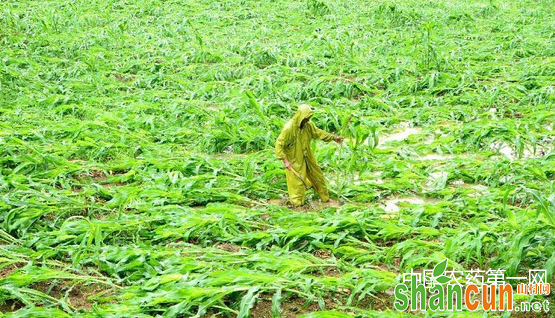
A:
(138, 180)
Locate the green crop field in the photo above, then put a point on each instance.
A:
(137, 167)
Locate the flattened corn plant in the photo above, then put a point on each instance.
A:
(137, 176)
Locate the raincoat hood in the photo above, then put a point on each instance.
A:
(304, 111)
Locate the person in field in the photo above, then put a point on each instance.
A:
(293, 148)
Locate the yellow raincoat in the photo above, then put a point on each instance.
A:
(294, 144)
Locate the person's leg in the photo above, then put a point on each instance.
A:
(316, 177)
(296, 189)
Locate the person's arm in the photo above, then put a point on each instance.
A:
(318, 133)
(287, 164)
(280, 148)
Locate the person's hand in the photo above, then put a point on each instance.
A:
(287, 164)
(338, 139)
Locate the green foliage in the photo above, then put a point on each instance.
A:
(137, 168)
